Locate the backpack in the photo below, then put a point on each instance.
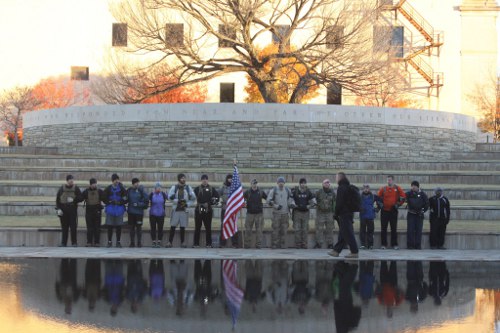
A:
(288, 192)
(353, 199)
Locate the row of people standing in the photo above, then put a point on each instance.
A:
(328, 204)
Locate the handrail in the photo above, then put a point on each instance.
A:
(417, 20)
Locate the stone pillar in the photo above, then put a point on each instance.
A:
(479, 49)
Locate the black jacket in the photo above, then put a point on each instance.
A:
(254, 200)
(341, 207)
(418, 203)
(440, 208)
(207, 196)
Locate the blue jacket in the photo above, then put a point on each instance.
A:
(115, 199)
(137, 200)
(367, 210)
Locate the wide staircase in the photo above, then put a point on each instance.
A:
(30, 178)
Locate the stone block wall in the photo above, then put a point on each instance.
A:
(253, 144)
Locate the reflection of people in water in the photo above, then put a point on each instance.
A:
(253, 285)
(300, 280)
(439, 281)
(278, 291)
(347, 315)
(388, 293)
(205, 292)
(136, 284)
(66, 287)
(323, 290)
(180, 295)
(114, 284)
(366, 284)
(92, 289)
(156, 279)
(416, 289)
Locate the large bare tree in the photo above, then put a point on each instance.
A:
(13, 104)
(332, 39)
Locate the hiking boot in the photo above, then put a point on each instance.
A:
(333, 253)
(132, 244)
(209, 246)
(395, 247)
(74, 245)
(61, 245)
(442, 248)
(153, 244)
(330, 246)
(183, 245)
(362, 247)
(317, 246)
(88, 245)
(109, 244)
(370, 247)
(196, 246)
(382, 247)
(139, 244)
(352, 256)
(169, 245)
(118, 244)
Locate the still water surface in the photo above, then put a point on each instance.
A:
(93, 295)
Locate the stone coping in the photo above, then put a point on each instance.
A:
(297, 113)
(265, 254)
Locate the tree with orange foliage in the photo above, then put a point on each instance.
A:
(56, 93)
(146, 86)
(292, 84)
(486, 97)
(13, 104)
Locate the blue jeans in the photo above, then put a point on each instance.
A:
(346, 234)
(414, 234)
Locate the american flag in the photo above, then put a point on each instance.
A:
(234, 204)
(234, 293)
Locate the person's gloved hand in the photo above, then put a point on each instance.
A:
(60, 212)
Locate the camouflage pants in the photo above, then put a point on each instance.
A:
(279, 226)
(250, 221)
(324, 227)
(300, 227)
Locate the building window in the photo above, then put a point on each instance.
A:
(79, 73)
(397, 42)
(334, 94)
(334, 37)
(174, 35)
(280, 32)
(119, 34)
(389, 40)
(227, 92)
(229, 32)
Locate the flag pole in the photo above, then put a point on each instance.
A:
(239, 215)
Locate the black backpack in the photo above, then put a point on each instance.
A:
(353, 199)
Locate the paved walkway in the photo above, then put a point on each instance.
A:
(177, 253)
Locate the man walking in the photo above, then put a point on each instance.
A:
(392, 197)
(93, 197)
(67, 200)
(347, 203)
(418, 204)
(325, 198)
(439, 218)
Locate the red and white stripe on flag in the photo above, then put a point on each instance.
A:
(233, 206)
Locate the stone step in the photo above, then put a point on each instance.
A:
(477, 155)
(37, 206)
(263, 175)
(49, 189)
(52, 237)
(58, 161)
(488, 147)
(23, 150)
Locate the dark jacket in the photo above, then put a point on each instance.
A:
(74, 192)
(341, 207)
(418, 203)
(206, 196)
(303, 199)
(440, 208)
(87, 197)
(254, 200)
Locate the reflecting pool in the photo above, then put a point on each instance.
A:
(260, 296)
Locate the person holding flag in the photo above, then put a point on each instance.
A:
(234, 204)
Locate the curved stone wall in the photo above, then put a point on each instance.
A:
(258, 135)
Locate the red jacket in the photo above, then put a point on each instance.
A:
(391, 195)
